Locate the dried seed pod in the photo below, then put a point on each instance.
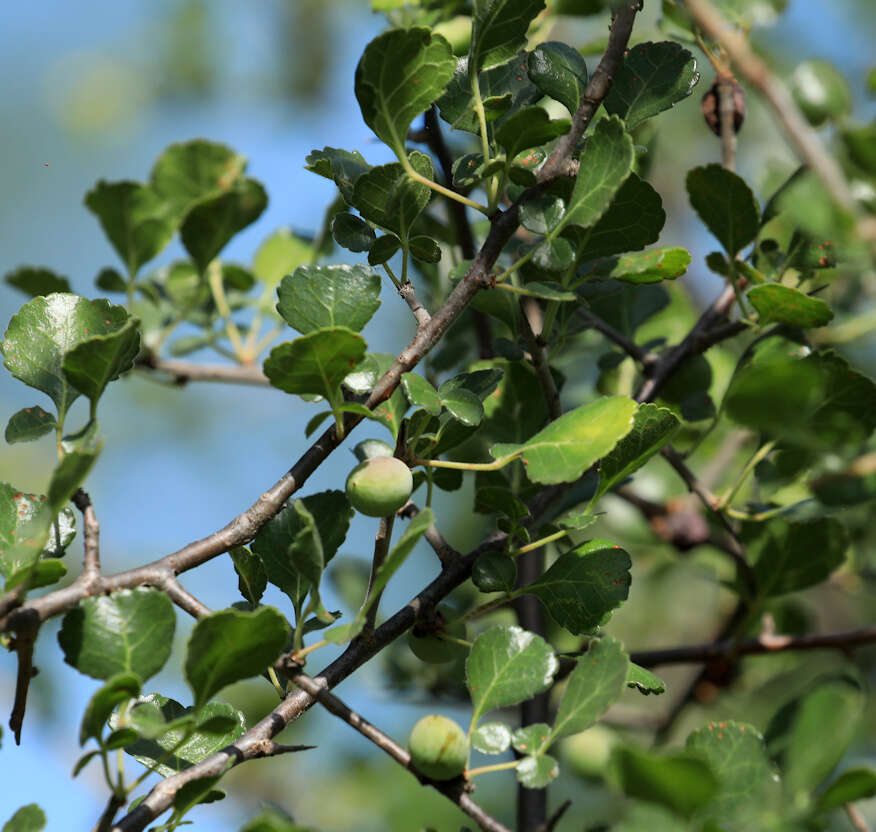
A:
(712, 102)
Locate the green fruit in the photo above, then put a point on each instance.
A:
(370, 448)
(430, 648)
(820, 91)
(438, 747)
(380, 486)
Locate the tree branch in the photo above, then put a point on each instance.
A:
(409, 295)
(90, 535)
(646, 359)
(541, 366)
(182, 372)
(433, 537)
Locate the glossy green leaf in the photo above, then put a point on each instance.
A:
(28, 530)
(542, 214)
(352, 233)
(537, 772)
(135, 218)
(344, 167)
(529, 127)
(530, 739)
(383, 249)
(462, 405)
(118, 689)
(491, 738)
(35, 281)
(785, 305)
(792, 556)
(68, 476)
(494, 572)
(316, 363)
(210, 224)
(748, 789)
(653, 77)
(399, 75)
(584, 584)
(45, 330)
(179, 747)
(420, 393)
(595, 683)
(98, 360)
(651, 266)
(559, 72)
(319, 297)
(725, 204)
(128, 631)
(280, 254)
(644, 681)
(424, 249)
(251, 578)
(853, 784)
(568, 446)
(680, 781)
(499, 30)
(388, 197)
(507, 665)
(653, 427)
(229, 646)
(553, 255)
(29, 818)
(28, 424)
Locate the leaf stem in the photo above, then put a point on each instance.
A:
(469, 466)
(761, 454)
(418, 177)
(474, 772)
(538, 543)
(214, 279)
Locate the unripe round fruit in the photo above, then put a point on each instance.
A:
(438, 747)
(432, 649)
(820, 91)
(380, 486)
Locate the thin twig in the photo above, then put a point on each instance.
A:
(646, 359)
(856, 818)
(183, 598)
(182, 372)
(105, 822)
(90, 535)
(541, 366)
(726, 118)
(551, 823)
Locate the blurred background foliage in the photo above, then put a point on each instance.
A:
(96, 90)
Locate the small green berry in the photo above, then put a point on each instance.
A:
(380, 486)
(438, 747)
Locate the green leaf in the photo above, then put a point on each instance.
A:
(135, 218)
(725, 204)
(559, 72)
(529, 127)
(279, 540)
(28, 424)
(826, 721)
(792, 556)
(462, 405)
(388, 197)
(853, 784)
(29, 530)
(653, 427)
(499, 30)
(784, 305)
(316, 363)
(279, 255)
(128, 631)
(507, 665)
(606, 162)
(653, 77)
(344, 167)
(399, 75)
(652, 817)
(45, 330)
(425, 249)
(209, 226)
(584, 584)
(597, 681)
(373, 367)
(680, 781)
(36, 281)
(95, 362)
(109, 280)
(491, 738)
(192, 172)
(494, 572)
(118, 689)
(542, 214)
(272, 819)
(320, 297)
(420, 393)
(68, 476)
(531, 739)
(632, 221)
(229, 646)
(251, 578)
(179, 747)
(352, 233)
(644, 680)
(383, 249)
(28, 818)
(648, 266)
(568, 446)
(537, 772)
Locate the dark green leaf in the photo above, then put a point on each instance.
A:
(229, 646)
(654, 76)
(856, 484)
(128, 631)
(644, 680)
(463, 405)
(135, 218)
(494, 572)
(420, 393)
(559, 72)
(491, 738)
(425, 249)
(68, 476)
(784, 305)
(542, 214)
(853, 784)
(568, 446)
(251, 578)
(653, 427)
(507, 665)
(29, 424)
(383, 249)
(344, 167)
(319, 297)
(792, 556)
(35, 281)
(83, 761)
(648, 266)
(499, 30)
(388, 197)
(316, 363)
(584, 584)
(109, 280)
(280, 254)
(28, 818)
(272, 819)
(596, 682)
(352, 233)
(537, 772)
(529, 127)
(399, 75)
(725, 204)
(118, 689)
